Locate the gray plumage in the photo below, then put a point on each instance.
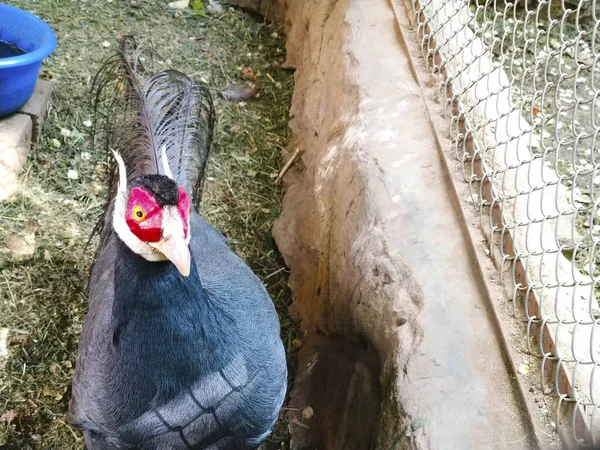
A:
(166, 361)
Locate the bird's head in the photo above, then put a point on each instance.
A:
(152, 217)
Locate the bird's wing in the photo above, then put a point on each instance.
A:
(87, 387)
(213, 411)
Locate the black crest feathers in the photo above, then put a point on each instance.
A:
(141, 116)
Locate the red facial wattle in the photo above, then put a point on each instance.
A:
(184, 207)
(144, 216)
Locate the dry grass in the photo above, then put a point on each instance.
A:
(43, 298)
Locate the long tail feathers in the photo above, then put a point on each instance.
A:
(144, 117)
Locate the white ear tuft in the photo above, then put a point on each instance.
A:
(122, 173)
(165, 162)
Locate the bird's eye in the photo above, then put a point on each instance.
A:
(138, 213)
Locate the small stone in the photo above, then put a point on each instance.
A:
(87, 123)
(214, 6)
(3, 345)
(105, 44)
(308, 412)
(180, 4)
(21, 247)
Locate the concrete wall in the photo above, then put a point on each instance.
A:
(400, 350)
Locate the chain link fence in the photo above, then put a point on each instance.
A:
(521, 81)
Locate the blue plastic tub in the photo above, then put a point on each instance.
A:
(18, 74)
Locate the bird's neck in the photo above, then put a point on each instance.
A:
(153, 291)
(161, 322)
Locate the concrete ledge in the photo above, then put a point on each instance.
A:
(37, 106)
(15, 143)
(19, 133)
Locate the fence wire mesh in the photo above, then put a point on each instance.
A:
(521, 82)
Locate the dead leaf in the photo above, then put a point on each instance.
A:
(21, 247)
(236, 92)
(54, 368)
(47, 391)
(248, 72)
(8, 416)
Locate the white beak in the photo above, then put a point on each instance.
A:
(177, 251)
